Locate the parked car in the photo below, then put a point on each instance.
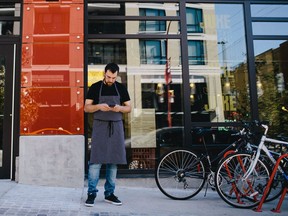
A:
(215, 139)
(169, 138)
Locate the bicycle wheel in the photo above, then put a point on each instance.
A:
(180, 175)
(235, 190)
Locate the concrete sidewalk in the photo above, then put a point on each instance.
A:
(140, 196)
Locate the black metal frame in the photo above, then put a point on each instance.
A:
(248, 19)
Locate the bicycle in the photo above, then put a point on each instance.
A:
(241, 178)
(181, 173)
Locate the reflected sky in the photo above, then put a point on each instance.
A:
(270, 28)
(269, 10)
(230, 29)
(261, 46)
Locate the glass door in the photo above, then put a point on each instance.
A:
(7, 67)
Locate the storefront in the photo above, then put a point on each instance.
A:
(187, 65)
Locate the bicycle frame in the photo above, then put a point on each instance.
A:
(263, 147)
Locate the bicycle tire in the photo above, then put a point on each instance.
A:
(233, 189)
(180, 175)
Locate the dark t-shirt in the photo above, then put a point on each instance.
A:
(93, 92)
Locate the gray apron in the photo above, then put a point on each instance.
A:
(107, 145)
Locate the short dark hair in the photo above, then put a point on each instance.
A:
(112, 67)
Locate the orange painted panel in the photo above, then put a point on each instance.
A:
(54, 77)
(50, 23)
(57, 108)
(53, 1)
(69, 54)
(53, 54)
(51, 20)
(27, 55)
(52, 68)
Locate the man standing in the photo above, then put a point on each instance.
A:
(107, 100)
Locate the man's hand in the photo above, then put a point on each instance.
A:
(116, 108)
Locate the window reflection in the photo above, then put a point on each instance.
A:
(270, 28)
(196, 53)
(8, 25)
(108, 9)
(271, 10)
(194, 18)
(10, 9)
(2, 92)
(153, 52)
(271, 65)
(218, 68)
(219, 89)
(152, 26)
(102, 51)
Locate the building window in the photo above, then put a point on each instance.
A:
(152, 52)
(194, 20)
(152, 26)
(100, 52)
(196, 53)
(10, 18)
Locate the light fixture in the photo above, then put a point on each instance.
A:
(227, 87)
(259, 87)
(171, 96)
(192, 88)
(192, 92)
(160, 92)
(160, 89)
(192, 98)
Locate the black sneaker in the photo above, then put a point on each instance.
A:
(90, 200)
(113, 199)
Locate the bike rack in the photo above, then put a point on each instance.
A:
(277, 209)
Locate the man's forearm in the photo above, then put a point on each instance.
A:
(91, 108)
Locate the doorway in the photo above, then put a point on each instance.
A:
(7, 84)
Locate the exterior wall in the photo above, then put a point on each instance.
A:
(52, 94)
(52, 160)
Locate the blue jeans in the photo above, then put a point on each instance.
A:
(93, 178)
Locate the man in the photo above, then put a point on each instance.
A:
(107, 100)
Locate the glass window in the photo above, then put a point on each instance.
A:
(2, 91)
(106, 9)
(196, 53)
(151, 68)
(152, 26)
(271, 64)
(9, 14)
(157, 103)
(219, 89)
(270, 28)
(109, 25)
(152, 52)
(271, 10)
(106, 27)
(194, 20)
(103, 51)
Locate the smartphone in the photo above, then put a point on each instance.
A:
(111, 105)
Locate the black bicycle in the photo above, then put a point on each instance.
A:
(181, 174)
